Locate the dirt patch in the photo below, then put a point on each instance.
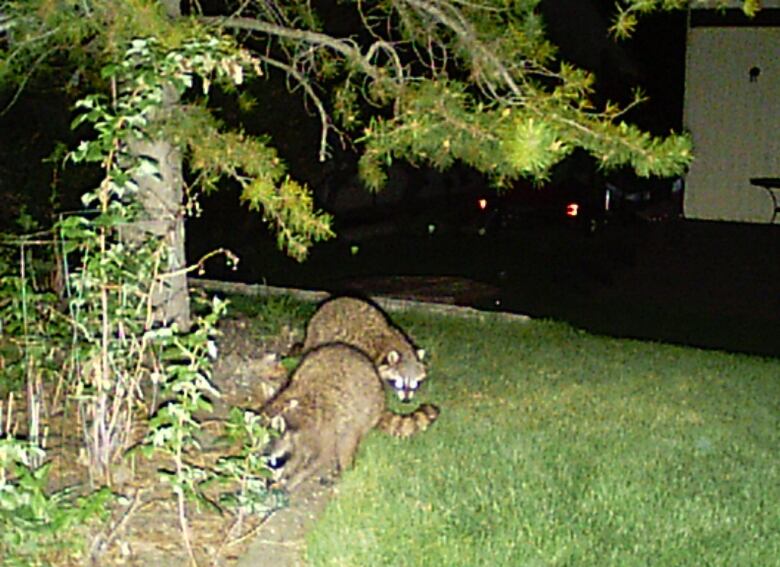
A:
(436, 289)
(145, 527)
(281, 541)
(248, 369)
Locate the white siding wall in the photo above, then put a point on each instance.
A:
(717, 4)
(735, 123)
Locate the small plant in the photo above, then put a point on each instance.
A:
(34, 523)
(249, 466)
(173, 428)
(100, 344)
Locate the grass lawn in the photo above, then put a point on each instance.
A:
(556, 447)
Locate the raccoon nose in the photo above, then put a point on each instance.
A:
(405, 395)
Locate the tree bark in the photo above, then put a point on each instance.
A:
(162, 198)
(163, 219)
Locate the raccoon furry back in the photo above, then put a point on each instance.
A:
(334, 397)
(363, 325)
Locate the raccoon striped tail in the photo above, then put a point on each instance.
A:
(406, 425)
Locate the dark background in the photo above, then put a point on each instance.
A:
(641, 273)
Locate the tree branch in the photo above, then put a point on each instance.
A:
(6, 23)
(468, 36)
(23, 82)
(304, 82)
(346, 47)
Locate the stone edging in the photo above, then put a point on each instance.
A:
(387, 303)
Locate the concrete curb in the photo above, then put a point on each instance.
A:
(386, 303)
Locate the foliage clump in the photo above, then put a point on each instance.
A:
(428, 82)
(92, 346)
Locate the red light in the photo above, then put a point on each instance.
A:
(572, 210)
(482, 204)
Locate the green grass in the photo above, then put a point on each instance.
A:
(556, 447)
(270, 314)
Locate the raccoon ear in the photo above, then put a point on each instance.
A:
(278, 424)
(420, 354)
(392, 357)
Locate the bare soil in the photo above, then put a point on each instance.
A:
(145, 527)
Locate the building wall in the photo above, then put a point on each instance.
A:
(734, 119)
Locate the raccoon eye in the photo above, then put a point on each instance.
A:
(398, 384)
(413, 384)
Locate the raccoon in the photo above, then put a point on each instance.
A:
(363, 325)
(333, 399)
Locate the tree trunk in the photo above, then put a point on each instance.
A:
(163, 219)
(163, 214)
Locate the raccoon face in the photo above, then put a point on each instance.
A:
(289, 459)
(276, 458)
(276, 462)
(279, 451)
(403, 372)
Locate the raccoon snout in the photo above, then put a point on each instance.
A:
(405, 390)
(276, 462)
(405, 395)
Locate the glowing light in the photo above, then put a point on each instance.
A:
(572, 210)
(482, 204)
